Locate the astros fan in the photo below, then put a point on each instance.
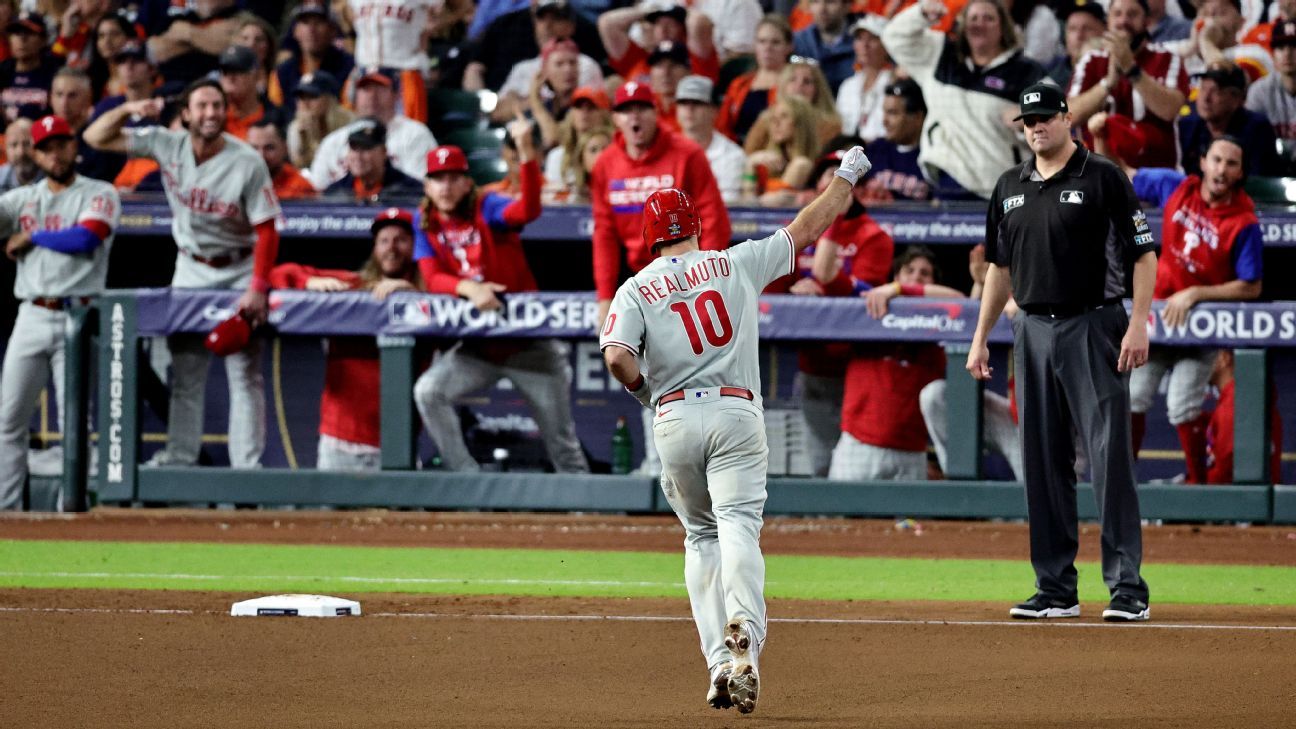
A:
(60, 230)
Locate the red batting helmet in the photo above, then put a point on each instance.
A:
(669, 216)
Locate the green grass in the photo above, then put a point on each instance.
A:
(346, 570)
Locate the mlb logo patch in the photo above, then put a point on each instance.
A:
(1031, 98)
(1075, 197)
(701, 394)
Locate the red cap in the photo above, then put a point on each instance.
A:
(634, 92)
(1125, 140)
(375, 77)
(597, 97)
(668, 216)
(392, 216)
(446, 158)
(229, 337)
(50, 127)
(558, 44)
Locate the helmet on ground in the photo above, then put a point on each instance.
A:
(669, 216)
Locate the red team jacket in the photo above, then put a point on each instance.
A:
(619, 186)
(1163, 67)
(349, 405)
(865, 253)
(488, 248)
(1201, 245)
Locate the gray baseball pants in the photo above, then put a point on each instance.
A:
(1189, 369)
(1000, 430)
(542, 374)
(190, 361)
(714, 462)
(821, 404)
(1066, 377)
(35, 348)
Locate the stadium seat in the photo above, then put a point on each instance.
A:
(1272, 190)
(482, 148)
(730, 70)
(453, 109)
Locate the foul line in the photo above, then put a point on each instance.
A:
(346, 578)
(680, 619)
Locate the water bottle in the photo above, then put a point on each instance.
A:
(622, 450)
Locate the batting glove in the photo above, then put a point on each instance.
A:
(643, 394)
(854, 165)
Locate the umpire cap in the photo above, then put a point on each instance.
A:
(1042, 99)
(669, 216)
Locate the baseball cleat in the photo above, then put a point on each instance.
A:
(718, 693)
(1126, 610)
(744, 678)
(1041, 606)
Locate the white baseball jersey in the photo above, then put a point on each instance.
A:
(692, 318)
(408, 144)
(389, 33)
(43, 272)
(215, 206)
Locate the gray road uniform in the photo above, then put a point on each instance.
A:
(215, 207)
(693, 320)
(47, 282)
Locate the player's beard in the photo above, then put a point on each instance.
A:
(62, 176)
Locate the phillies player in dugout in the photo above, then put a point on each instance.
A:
(59, 232)
(690, 316)
(224, 209)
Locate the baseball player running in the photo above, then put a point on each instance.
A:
(224, 209)
(690, 316)
(60, 230)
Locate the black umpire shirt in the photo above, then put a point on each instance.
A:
(1068, 240)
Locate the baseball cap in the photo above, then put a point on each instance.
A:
(1225, 75)
(1042, 99)
(668, 8)
(557, 7)
(911, 92)
(1092, 7)
(238, 59)
(28, 23)
(229, 337)
(320, 83)
(553, 45)
(376, 76)
(367, 134)
(311, 9)
(694, 88)
(446, 158)
(1284, 34)
(669, 51)
(870, 22)
(634, 92)
(132, 51)
(50, 127)
(597, 97)
(392, 216)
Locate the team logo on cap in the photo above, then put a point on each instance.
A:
(1031, 98)
(442, 154)
(1075, 197)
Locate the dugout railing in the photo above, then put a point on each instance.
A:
(113, 329)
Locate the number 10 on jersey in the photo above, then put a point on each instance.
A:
(710, 309)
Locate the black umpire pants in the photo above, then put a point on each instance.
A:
(1066, 377)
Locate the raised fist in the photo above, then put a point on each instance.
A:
(854, 165)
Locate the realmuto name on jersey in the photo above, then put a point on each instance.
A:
(656, 289)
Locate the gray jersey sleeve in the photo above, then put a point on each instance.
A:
(258, 196)
(10, 206)
(765, 260)
(151, 142)
(104, 207)
(625, 323)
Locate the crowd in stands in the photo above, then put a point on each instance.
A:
(734, 101)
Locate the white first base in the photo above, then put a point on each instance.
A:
(303, 606)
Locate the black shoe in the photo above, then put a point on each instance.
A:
(1126, 609)
(1041, 606)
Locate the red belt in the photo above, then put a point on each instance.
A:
(742, 392)
(220, 261)
(57, 304)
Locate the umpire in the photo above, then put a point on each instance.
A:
(1062, 232)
